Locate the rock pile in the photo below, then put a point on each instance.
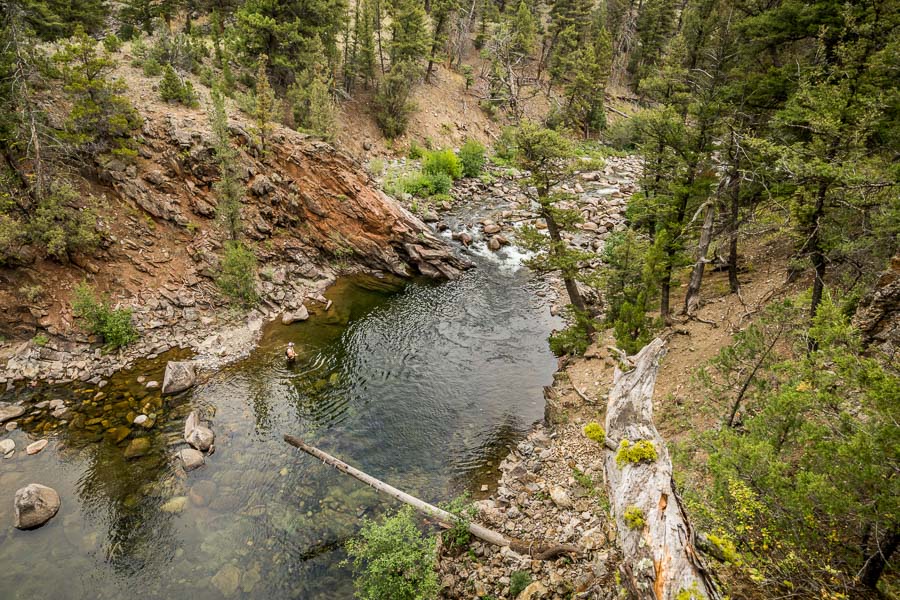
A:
(551, 490)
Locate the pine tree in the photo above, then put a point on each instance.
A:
(548, 156)
(585, 77)
(101, 118)
(287, 32)
(265, 105)
(409, 36)
(393, 105)
(441, 13)
(229, 189)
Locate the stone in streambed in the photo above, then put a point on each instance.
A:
(180, 375)
(202, 492)
(196, 434)
(35, 504)
(227, 580)
(175, 505)
(191, 459)
(301, 314)
(8, 412)
(35, 447)
(137, 447)
(7, 447)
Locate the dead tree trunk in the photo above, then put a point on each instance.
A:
(660, 559)
(692, 296)
(533, 549)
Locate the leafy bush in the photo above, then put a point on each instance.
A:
(640, 451)
(471, 155)
(518, 581)
(458, 536)
(237, 275)
(40, 340)
(415, 151)
(442, 161)
(58, 226)
(393, 559)
(113, 325)
(112, 43)
(593, 431)
(505, 146)
(172, 88)
(622, 135)
(575, 338)
(151, 67)
(424, 185)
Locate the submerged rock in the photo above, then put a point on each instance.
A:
(175, 505)
(197, 435)
(191, 459)
(35, 505)
(227, 580)
(202, 492)
(137, 447)
(7, 446)
(179, 377)
(35, 447)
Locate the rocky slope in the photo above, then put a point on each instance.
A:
(310, 212)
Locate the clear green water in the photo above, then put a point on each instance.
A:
(421, 385)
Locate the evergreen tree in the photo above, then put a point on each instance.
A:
(229, 189)
(288, 32)
(313, 104)
(393, 105)
(101, 117)
(441, 13)
(585, 80)
(548, 156)
(409, 36)
(265, 105)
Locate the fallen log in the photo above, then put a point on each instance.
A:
(536, 550)
(657, 542)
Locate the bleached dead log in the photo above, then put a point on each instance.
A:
(534, 549)
(660, 559)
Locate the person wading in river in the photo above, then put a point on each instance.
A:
(289, 353)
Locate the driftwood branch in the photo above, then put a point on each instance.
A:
(534, 549)
(660, 559)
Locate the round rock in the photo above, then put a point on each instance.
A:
(35, 504)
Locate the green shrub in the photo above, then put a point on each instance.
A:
(634, 518)
(113, 325)
(640, 451)
(40, 340)
(172, 88)
(471, 155)
(112, 43)
(393, 559)
(237, 275)
(58, 226)
(458, 536)
(415, 151)
(518, 581)
(593, 431)
(424, 185)
(505, 146)
(622, 135)
(575, 338)
(442, 161)
(151, 67)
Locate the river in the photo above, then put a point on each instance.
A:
(423, 385)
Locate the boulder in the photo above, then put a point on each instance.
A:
(180, 375)
(560, 497)
(8, 412)
(35, 504)
(493, 244)
(191, 459)
(491, 228)
(196, 434)
(533, 592)
(301, 314)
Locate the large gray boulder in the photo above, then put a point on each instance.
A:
(179, 377)
(35, 505)
(301, 314)
(196, 434)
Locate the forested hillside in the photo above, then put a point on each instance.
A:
(218, 135)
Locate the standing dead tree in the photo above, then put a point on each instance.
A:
(656, 539)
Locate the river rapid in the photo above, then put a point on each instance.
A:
(423, 385)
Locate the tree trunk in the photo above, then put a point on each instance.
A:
(659, 559)
(692, 296)
(877, 562)
(665, 291)
(533, 549)
(733, 281)
(571, 286)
